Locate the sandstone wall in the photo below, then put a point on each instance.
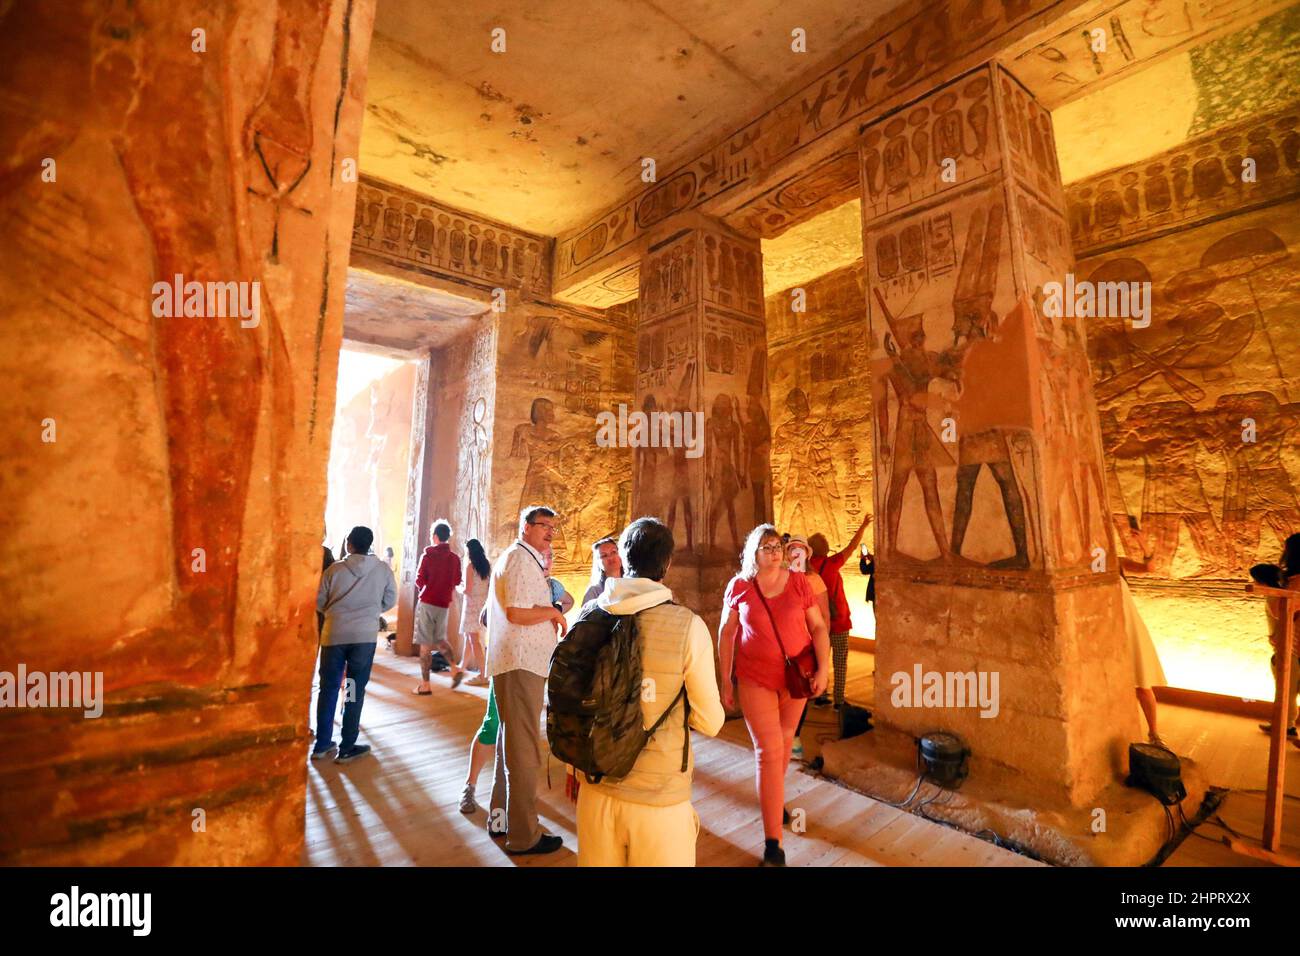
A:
(1175, 397)
(172, 434)
(820, 381)
(556, 369)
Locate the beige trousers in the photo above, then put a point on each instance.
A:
(614, 832)
(519, 695)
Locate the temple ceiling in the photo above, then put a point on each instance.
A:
(553, 130)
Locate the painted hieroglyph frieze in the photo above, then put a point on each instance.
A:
(899, 62)
(1106, 40)
(417, 232)
(1200, 180)
(905, 157)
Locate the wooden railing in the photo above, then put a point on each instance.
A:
(1273, 790)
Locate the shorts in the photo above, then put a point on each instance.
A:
(487, 732)
(430, 624)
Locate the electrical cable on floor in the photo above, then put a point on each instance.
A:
(920, 778)
(1214, 796)
(1000, 842)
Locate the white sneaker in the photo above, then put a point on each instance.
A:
(467, 802)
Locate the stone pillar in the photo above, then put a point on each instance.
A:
(165, 461)
(990, 501)
(418, 515)
(702, 358)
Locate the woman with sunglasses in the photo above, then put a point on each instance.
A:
(769, 615)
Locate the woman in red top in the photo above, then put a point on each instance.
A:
(757, 665)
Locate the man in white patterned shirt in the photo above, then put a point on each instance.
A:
(523, 627)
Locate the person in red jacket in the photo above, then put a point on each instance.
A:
(827, 566)
(435, 582)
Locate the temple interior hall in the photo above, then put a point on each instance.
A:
(992, 305)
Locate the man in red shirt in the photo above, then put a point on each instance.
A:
(828, 566)
(435, 581)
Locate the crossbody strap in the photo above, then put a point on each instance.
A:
(776, 631)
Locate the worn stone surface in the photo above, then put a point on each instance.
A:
(173, 434)
(702, 352)
(1129, 830)
(990, 502)
(819, 375)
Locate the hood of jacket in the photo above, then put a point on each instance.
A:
(358, 564)
(630, 595)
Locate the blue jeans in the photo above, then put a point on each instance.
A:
(357, 658)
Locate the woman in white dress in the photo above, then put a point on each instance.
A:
(474, 590)
(1146, 663)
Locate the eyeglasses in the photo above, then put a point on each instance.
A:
(772, 548)
(545, 524)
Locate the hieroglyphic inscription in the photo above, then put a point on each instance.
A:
(905, 156)
(895, 65)
(1105, 40)
(412, 230)
(1199, 180)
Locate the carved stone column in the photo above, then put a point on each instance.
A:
(990, 498)
(187, 474)
(702, 358)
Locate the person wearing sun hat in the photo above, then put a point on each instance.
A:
(797, 553)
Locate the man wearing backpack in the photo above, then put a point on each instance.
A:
(645, 818)
(522, 629)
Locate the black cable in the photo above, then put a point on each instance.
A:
(920, 778)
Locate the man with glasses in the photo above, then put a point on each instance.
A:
(523, 627)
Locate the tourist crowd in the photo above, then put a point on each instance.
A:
(783, 640)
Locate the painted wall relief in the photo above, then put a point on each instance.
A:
(1031, 144)
(556, 370)
(1065, 65)
(1184, 485)
(899, 62)
(664, 483)
(413, 230)
(474, 442)
(669, 280)
(902, 155)
(1074, 518)
(702, 348)
(805, 194)
(953, 393)
(820, 385)
(733, 274)
(1197, 181)
(607, 290)
(738, 435)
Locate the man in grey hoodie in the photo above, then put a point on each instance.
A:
(353, 593)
